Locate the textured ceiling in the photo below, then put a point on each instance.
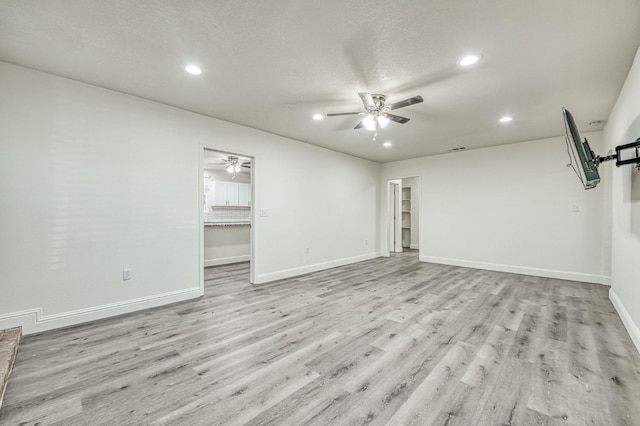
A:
(271, 65)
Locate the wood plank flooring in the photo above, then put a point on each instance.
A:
(387, 341)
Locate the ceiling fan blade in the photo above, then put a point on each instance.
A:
(367, 100)
(343, 113)
(396, 118)
(359, 126)
(405, 103)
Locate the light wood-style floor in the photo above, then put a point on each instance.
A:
(387, 341)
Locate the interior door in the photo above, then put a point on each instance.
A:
(394, 214)
(397, 217)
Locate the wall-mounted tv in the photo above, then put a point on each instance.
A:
(582, 159)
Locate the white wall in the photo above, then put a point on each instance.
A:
(509, 208)
(226, 244)
(224, 176)
(623, 127)
(93, 181)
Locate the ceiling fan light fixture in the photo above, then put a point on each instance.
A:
(383, 121)
(376, 113)
(369, 123)
(506, 119)
(468, 60)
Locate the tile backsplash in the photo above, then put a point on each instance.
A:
(227, 214)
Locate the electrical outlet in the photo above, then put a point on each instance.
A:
(264, 212)
(126, 274)
(366, 242)
(307, 250)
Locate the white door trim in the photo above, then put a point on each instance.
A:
(389, 212)
(252, 233)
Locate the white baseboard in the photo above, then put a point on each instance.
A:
(414, 246)
(524, 270)
(294, 272)
(227, 260)
(631, 327)
(35, 321)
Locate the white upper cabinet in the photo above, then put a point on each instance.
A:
(231, 194)
(219, 193)
(244, 194)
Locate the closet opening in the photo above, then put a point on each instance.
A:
(403, 214)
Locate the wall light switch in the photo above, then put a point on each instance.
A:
(264, 212)
(126, 274)
(576, 208)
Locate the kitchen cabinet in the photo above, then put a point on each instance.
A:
(231, 194)
(244, 195)
(225, 193)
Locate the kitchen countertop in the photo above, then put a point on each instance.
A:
(228, 223)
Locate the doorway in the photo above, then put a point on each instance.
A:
(403, 214)
(226, 211)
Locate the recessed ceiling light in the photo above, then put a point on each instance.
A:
(468, 60)
(387, 144)
(192, 69)
(318, 116)
(506, 119)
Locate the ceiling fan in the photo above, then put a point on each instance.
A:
(233, 164)
(377, 113)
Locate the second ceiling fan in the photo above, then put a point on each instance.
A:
(377, 113)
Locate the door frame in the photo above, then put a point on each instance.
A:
(253, 230)
(389, 213)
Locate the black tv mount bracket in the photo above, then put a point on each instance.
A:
(618, 157)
